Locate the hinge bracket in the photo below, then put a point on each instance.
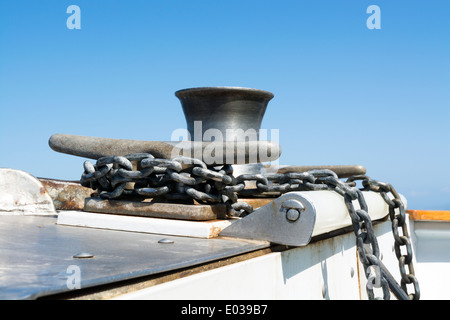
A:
(288, 220)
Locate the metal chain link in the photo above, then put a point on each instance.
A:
(398, 219)
(188, 179)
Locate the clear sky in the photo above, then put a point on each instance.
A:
(344, 93)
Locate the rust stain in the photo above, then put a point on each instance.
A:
(358, 274)
(66, 195)
(215, 230)
(156, 209)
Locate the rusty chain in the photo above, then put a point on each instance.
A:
(188, 179)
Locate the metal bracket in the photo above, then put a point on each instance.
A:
(288, 220)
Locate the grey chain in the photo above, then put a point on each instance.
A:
(188, 179)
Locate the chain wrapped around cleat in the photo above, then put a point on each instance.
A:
(188, 179)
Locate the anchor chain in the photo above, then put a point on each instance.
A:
(188, 179)
(398, 219)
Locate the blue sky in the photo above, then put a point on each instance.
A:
(344, 94)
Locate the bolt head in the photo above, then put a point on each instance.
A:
(292, 215)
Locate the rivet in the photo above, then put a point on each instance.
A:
(352, 272)
(166, 241)
(83, 255)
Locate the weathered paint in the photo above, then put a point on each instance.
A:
(22, 193)
(325, 269)
(195, 229)
(431, 215)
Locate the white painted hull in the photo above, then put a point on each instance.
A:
(327, 269)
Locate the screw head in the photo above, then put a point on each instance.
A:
(292, 215)
(166, 241)
(83, 255)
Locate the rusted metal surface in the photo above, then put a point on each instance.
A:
(66, 195)
(343, 171)
(431, 215)
(147, 208)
